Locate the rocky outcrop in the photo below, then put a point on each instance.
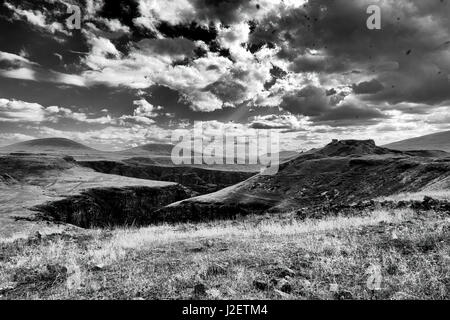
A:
(35, 187)
(360, 207)
(202, 212)
(109, 207)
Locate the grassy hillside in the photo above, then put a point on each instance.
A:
(46, 145)
(340, 173)
(255, 258)
(436, 141)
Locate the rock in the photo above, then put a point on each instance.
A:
(98, 267)
(196, 249)
(343, 295)
(282, 272)
(273, 282)
(199, 289)
(216, 269)
(283, 294)
(260, 285)
(7, 287)
(284, 286)
(56, 269)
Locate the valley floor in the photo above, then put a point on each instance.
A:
(398, 254)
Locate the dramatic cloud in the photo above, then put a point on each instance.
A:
(263, 64)
(372, 86)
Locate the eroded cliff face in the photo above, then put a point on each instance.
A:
(35, 189)
(110, 207)
(200, 180)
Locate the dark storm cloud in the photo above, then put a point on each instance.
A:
(408, 53)
(324, 63)
(365, 87)
(195, 32)
(276, 73)
(315, 102)
(309, 101)
(42, 46)
(90, 99)
(225, 11)
(192, 31)
(227, 91)
(350, 111)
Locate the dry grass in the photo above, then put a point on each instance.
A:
(418, 196)
(248, 258)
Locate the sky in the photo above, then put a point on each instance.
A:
(138, 71)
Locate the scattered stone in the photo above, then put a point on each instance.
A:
(343, 295)
(260, 285)
(282, 294)
(98, 267)
(284, 286)
(199, 289)
(56, 269)
(273, 282)
(7, 287)
(282, 272)
(196, 249)
(216, 269)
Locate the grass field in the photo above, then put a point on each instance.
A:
(382, 255)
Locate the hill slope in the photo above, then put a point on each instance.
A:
(340, 173)
(150, 149)
(47, 145)
(436, 141)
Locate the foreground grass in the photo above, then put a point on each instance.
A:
(252, 258)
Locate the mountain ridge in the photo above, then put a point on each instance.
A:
(434, 141)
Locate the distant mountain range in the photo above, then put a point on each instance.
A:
(159, 149)
(436, 141)
(48, 145)
(63, 146)
(70, 147)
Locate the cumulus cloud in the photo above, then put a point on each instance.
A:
(17, 111)
(295, 64)
(308, 101)
(38, 19)
(273, 121)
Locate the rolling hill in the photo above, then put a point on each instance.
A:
(150, 149)
(435, 141)
(342, 172)
(48, 145)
